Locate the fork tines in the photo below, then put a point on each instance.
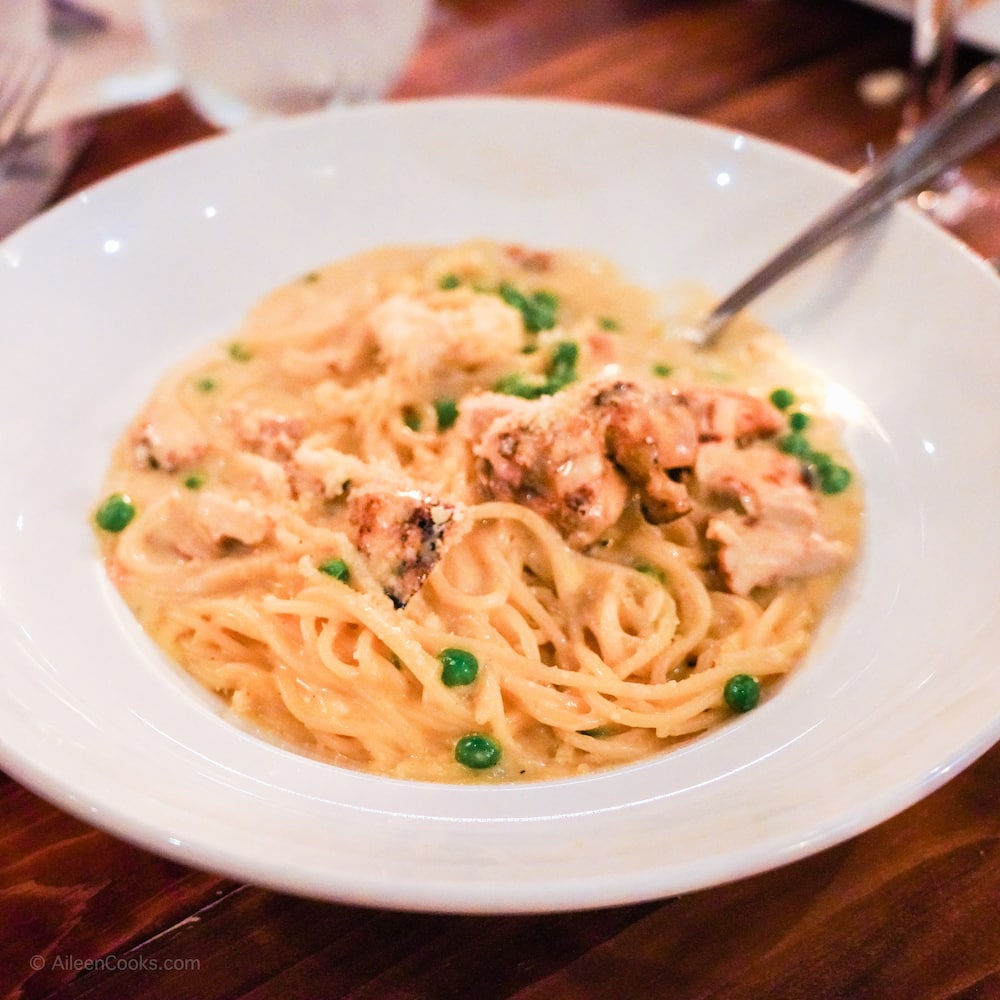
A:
(24, 74)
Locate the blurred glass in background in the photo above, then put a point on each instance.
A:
(243, 60)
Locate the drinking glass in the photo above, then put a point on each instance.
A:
(967, 207)
(243, 60)
(22, 20)
(932, 57)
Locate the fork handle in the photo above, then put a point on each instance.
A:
(967, 121)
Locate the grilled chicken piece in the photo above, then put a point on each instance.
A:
(455, 329)
(731, 415)
(551, 456)
(325, 472)
(773, 534)
(648, 435)
(273, 435)
(575, 457)
(402, 533)
(223, 518)
(205, 525)
(167, 438)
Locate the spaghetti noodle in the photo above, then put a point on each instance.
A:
(471, 512)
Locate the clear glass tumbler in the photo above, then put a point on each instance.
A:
(967, 205)
(243, 60)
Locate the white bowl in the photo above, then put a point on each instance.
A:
(101, 295)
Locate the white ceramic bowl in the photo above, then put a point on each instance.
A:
(101, 295)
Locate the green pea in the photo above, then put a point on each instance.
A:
(478, 751)
(449, 281)
(662, 371)
(238, 352)
(782, 398)
(447, 413)
(458, 667)
(795, 444)
(115, 513)
(742, 692)
(206, 384)
(561, 369)
(195, 481)
(336, 568)
(538, 309)
(798, 421)
(834, 478)
(518, 385)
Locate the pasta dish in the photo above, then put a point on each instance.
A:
(474, 513)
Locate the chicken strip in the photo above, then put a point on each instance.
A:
(167, 438)
(575, 457)
(208, 524)
(650, 436)
(402, 533)
(730, 414)
(549, 455)
(773, 533)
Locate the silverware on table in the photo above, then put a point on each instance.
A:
(25, 70)
(70, 20)
(32, 171)
(967, 121)
(32, 165)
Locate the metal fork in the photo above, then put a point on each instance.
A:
(25, 71)
(967, 121)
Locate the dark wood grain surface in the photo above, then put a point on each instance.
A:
(910, 909)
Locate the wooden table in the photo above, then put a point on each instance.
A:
(909, 909)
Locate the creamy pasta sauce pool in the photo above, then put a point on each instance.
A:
(477, 513)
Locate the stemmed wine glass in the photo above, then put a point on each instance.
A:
(968, 208)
